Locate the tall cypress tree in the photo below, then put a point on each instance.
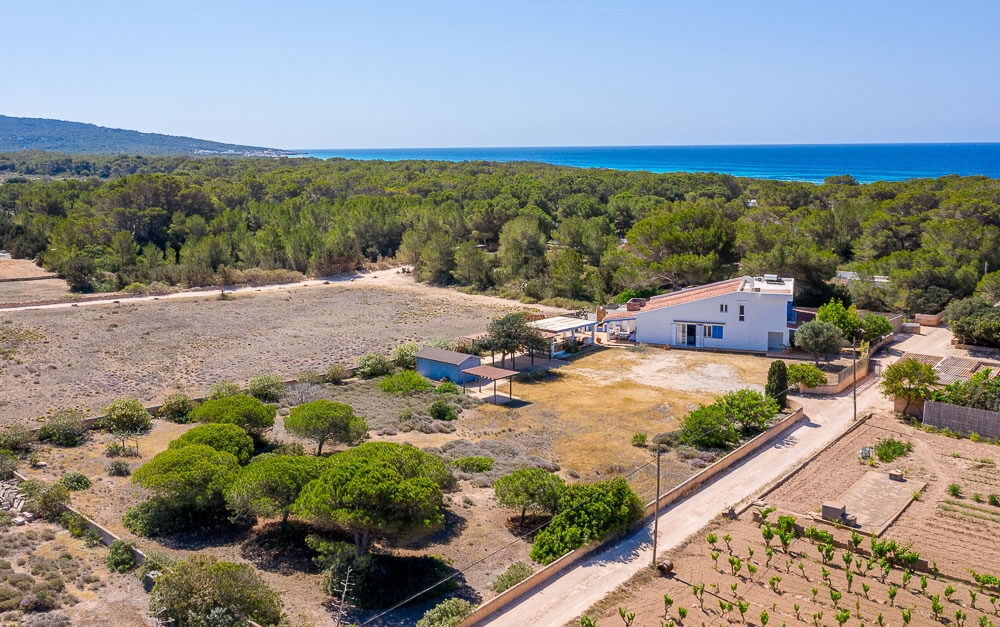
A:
(777, 383)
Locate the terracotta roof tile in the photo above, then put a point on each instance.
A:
(688, 295)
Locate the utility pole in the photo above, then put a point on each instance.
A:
(656, 507)
(854, 373)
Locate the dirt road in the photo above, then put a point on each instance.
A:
(567, 597)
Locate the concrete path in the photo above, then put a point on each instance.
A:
(566, 598)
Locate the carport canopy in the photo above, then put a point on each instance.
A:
(494, 374)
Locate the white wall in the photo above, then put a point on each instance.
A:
(764, 313)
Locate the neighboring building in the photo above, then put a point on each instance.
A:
(438, 364)
(746, 313)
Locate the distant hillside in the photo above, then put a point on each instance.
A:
(19, 134)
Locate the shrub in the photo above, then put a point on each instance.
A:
(47, 500)
(266, 387)
(120, 557)
(222, 389)
(221, 437)
(441, 410)
(447, 613)
(448, 387)
(17, 437)
(63, 428)
(176, 408)
(336, 374)
(638, 439)
(403, 356)
(126, 418)
(709, 427)
(806, 375)
(73, 523)
(373, 365)
(954, 490)
(202, 590)
(587, 512)
(117, 449)
(119, 468)
(75, 481)
(404, 382)
(515, 574)
(8, 464)
(891, 449)
(473, 463)
(308, 376)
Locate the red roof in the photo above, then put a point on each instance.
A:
(689, 295)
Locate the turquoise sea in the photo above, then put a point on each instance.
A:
(800, 162)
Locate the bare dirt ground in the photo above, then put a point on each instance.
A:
(955, 534)
(20, 291)
(87, 355)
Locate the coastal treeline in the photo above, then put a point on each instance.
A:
(527, 230)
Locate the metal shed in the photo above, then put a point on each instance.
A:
(439, 364)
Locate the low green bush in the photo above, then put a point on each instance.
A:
(336, 374)
(447, 613)
(448, 387)
(176, 408)
(75, 481)
(891, 449)
(222, 389)
(8, 464)
(47, 500)
(639, 439)
(373, 365)
(17, 437)
(993, 500)
(117, 449)
(155, 518)
(587, 512)
(404, 355)
(73, 523)
(63, 428)
(120, 557)
(515, 574)
(441, 410)
(119, 468)
(266, 387)
(473, 463)
(404, 382)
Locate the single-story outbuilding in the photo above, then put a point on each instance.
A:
(439, 364)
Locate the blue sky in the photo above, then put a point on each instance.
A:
(428, 73)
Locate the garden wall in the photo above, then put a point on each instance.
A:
(681, 491)
(964, 420)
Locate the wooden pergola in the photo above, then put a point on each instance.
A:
(494, 374)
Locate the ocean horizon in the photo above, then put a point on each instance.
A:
(812, 163)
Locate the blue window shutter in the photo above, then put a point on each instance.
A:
(791, 313)
(717, 332)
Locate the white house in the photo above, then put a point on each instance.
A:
(745, 313)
